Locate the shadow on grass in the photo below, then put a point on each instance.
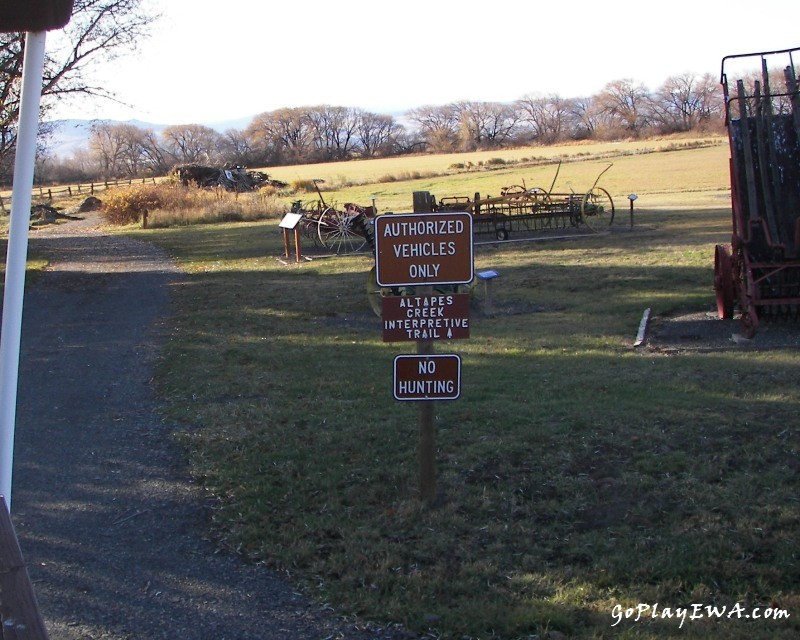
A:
(571, 470)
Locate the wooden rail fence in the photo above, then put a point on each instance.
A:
(48, 194)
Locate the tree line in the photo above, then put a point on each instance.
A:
(325, 133)
(103, 29)
(98, 30)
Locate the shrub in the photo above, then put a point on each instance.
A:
(301, 185)
(170, 204)
(126, 205)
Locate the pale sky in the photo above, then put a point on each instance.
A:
(208, 61)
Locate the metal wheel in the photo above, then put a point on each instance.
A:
(537, 195)
(337, 233)
(597, 209)
(723, 282)
(514, 191)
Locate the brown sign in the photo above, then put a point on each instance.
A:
(34, 15)
(429, 317)
(427, 377)
(423, 248)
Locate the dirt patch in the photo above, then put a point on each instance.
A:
(705, 331)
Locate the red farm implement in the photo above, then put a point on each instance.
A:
(759, 272)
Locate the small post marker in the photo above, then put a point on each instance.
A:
(632, 197)
(289, 223)
(640, 335)
(487, 277)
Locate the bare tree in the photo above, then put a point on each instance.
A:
(155, 158)
(283, 136)
(334, 131)
(485, 124)
(107, 147)
(235, 147)
(189, 143)
(377, 134)
(625, 103)
(586, 117)
(99, 30)
(438, 126)
(548, 117)
(686, 101)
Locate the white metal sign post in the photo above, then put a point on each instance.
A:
(17, 253)
(421, 250)
(34, 18)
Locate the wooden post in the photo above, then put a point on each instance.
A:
(427, 433)
(286, 251)
(422, 202)
(297, 244)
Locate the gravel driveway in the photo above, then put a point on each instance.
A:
(110, 525)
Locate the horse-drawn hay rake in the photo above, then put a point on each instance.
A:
(760, 270)
(341, 231)
(522, 209)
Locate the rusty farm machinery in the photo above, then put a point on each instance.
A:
(339, 230)
(522, 209)
(759, 272)
(347, 229)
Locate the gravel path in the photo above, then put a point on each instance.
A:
(110, 526)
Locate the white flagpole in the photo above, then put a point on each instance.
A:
(17, 256)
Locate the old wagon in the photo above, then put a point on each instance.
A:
(759, 271)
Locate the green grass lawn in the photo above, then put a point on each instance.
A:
(575, 474)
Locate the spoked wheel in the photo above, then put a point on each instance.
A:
(723, 282)
(514, 191)
(597, 209)
(537, 196)
(337, 232)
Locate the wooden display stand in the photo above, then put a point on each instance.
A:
(290, 223)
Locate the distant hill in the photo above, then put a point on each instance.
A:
(71, 135)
